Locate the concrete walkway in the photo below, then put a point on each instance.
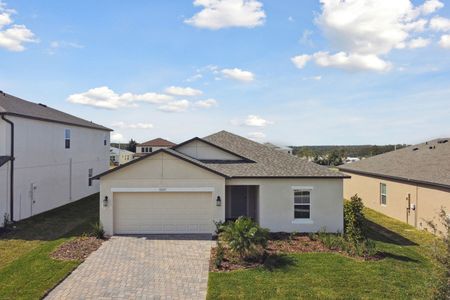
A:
(142, 267)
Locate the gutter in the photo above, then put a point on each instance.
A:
(11, 173)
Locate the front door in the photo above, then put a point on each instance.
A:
(239, 203)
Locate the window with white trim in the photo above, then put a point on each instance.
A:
(383, 194)
(302, 204)
(67, 138)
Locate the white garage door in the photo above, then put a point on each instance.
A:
(168, 212)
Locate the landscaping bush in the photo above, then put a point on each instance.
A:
(98, 231)
(244, 237)
(441, 253)
(354, 221)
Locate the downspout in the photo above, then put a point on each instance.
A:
(11, 173)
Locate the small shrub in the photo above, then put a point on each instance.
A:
(244, 237)
(354, 221)
(98, 231)
(220, 253)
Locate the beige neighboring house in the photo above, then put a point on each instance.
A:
(120, 156)
(184, 189)
(410, 184)
(152, 146)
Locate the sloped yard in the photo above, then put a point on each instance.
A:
(405, 272)
(26, 269)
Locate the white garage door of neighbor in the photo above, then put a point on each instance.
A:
(168, 212)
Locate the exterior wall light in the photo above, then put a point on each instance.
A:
(105, 201)
(218, 201)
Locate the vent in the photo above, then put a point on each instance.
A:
(442, 141)
(415, 149)
(43, 105)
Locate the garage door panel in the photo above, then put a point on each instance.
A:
(170, 212)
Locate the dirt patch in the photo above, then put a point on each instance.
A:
(77, 249)
(293, 243)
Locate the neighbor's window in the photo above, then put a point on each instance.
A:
(383, 195)
(302, 204)
(90, 174)
(67, 138)
(105, 140)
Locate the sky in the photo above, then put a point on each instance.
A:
(289, 72)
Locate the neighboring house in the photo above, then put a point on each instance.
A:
(120, 156)
(351, 159)
(184, 189)
(284, 149)
(410, 184)
(47, 157)
(152, 146)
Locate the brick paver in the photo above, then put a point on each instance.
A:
(138, 267)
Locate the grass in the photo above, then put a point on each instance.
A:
(405, 273)
(26, 270)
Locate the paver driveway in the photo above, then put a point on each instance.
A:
(142, 267)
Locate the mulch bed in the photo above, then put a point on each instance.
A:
(279, 245)
(77, 249)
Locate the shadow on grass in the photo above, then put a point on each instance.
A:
(379, 233)
(65, 221)
(397, 257)
(278, 261)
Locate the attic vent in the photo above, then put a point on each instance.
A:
(442, 141)
(415, 149)
(432, 147)
(43, 105)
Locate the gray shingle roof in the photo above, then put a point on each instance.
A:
(158, 142)
(268, 162)
(423, 163)
(10, 105)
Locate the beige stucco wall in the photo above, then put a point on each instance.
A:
(276, 203)
(201, 150)
(427, 199)
(159, 171)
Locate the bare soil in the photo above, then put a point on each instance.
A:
(77, 249)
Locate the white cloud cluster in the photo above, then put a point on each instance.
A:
(55, 45)
(364, 31)
(117, 137)
(238, 74)
(123, 125)
(13, 36)
(206, 103)
(444, 42)
(217, 14)
(104, 97)
(175, 106)
(440, 24)
(252, 121)
(183, 91)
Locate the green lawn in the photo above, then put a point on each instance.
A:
(26, 270)
(405, 273)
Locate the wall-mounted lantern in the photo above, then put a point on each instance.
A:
(105, 201)
(218, 201)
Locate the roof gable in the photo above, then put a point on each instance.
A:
(10, 105)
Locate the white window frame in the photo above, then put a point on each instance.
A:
(302, 189)
(381, 194)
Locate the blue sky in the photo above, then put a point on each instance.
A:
(296, 73)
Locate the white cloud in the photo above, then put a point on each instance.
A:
(175, 106)
(217, 14)
(104, 97)
(55, 45)
(253, 121)
(430, 6)
(351, 61)
(13, 36)
(418, 43)
(301, 60)
(194, 77)
(444, 42)
(363, 31)
(238, 74)
(117, 137)
(206, 103)
(183, 91)
(318, 77)
(123, 125)
(256, 136)
(440, 24)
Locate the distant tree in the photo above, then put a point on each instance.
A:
(335, 158)
(132, 145)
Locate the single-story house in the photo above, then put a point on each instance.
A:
(153, 145)
(47, 157)
(184, 189)
(120, 156)
(410, 184)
